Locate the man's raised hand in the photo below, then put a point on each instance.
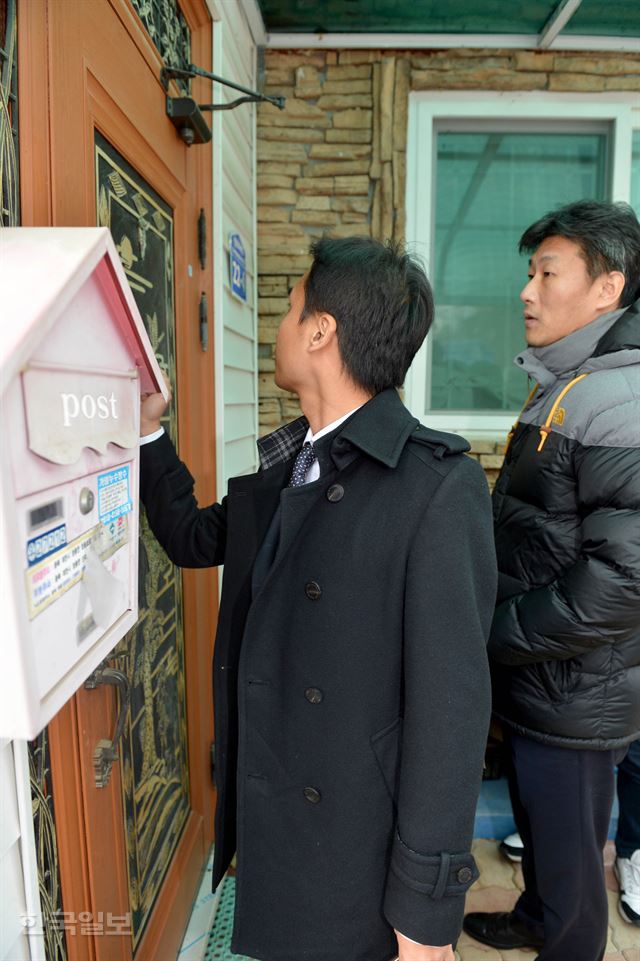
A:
(152, 407)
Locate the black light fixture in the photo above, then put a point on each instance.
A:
(186, 115)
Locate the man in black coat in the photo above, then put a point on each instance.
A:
(351, 683)
(565, 640)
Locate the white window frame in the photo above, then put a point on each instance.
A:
(635, 126)
(428, 110)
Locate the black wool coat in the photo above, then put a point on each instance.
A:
(351, 692)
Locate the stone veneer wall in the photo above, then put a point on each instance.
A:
(335, 159)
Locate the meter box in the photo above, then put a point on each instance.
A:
(75, 357)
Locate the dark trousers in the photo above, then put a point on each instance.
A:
(628, 836)
(562, 799)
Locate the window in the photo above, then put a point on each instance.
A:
(490, 186)
(478, 174)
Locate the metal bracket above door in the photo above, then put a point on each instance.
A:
(186, 114)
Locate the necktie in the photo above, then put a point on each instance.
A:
(302, 463)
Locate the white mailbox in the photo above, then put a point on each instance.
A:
(75, 357)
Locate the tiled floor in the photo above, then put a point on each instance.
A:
(202, 917)
(219, 943)
(496, 890)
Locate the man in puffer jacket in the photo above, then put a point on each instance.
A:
(565, 641)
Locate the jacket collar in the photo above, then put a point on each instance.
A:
(569, 354)
(380, 429)
(624, 334)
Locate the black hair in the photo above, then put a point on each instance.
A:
(608, 235)
(382, 303)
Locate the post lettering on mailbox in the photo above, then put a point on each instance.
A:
(89, 406)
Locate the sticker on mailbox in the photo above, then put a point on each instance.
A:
(114, 499)
(54, 575)
(45, 544)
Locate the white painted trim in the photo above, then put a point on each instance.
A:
(444, 41)
(224, 38)
(426, 110)
(253, 16)
(419, 240)
(254, 244)
(213, 6)
(472, 423)
(606, 44)
(557, 22)
(398, 41)
(256, 332)
(219, 265)
(28, 851)
(535, 104)
(621, 160)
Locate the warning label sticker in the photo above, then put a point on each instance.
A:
(114, 498)
(53, 576)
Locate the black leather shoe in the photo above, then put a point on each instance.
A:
(500, 930)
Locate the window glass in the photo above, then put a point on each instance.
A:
(635, 172)
(490, 187)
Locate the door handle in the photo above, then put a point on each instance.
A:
(106, 751)
(204, 321)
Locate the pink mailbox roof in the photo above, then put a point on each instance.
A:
(41, 270)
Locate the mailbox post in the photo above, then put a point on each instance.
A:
(75, 357)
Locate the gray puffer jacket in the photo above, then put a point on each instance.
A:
(565, 641)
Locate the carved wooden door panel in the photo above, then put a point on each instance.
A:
(153, 747)
(131, 852)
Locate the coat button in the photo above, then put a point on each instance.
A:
(313, 590)
(314, 695)
(335, 493)
(312, 795)
(464, 875)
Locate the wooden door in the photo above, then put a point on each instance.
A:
(97, 147)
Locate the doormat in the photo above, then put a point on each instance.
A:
(219, 943)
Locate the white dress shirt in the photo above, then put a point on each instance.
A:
(314, 471)
(151, 437)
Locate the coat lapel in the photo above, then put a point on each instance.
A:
(254, 499)
(379, 430)
(296, 504)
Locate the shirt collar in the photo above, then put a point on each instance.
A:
(380, 428)
(311, 438)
